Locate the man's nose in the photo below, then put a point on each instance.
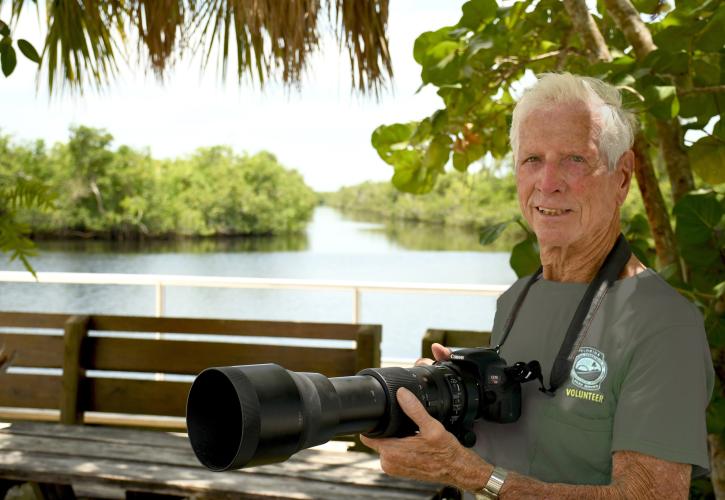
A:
(550, 178)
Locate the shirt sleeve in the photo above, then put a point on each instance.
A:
(663, 397)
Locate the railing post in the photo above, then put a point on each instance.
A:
(356, 305)
(160, 299)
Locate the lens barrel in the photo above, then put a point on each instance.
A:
(242, 416)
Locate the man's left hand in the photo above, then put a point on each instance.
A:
(433, 454)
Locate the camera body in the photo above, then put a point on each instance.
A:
(475, 383)
(499, 385)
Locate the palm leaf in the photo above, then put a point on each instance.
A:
(79, 46)
(266, 39)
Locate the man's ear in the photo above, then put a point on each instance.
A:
(624, 172)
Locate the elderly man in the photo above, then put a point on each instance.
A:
(628, 420)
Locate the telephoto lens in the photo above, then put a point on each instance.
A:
(243, 416)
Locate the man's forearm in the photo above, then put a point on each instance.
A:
(523, 487)
(634, 476)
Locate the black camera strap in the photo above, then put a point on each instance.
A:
(593, 296)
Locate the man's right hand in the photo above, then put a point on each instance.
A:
(440, 353)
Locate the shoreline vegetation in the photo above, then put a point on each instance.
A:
(126, 194)
(214, 194)
(463, 202)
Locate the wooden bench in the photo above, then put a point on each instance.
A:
(79, 344)
(453, 338)
(104, 373)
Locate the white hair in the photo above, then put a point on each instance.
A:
(616, 125)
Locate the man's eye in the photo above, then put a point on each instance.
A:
(577, 158)
(530, 159)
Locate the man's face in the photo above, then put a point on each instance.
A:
(565, 190)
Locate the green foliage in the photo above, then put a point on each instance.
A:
(700, 231)
(478, 63)
(18, 193)
(126, 194)
(707, 157)
(525, 256)
(8, 56)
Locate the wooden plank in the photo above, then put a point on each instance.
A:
(145, 397)
(167, 448)
(71, 402)
(178, 356)
(99, 442)
(38, 351)
(192, 481)
(33, 320)
(201, 326)
(30, 391)
(85, 446)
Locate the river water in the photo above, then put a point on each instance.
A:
(334, 247)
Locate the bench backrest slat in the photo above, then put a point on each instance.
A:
(190, 358)
(37, 351)
(33, 320)
(200, 326)
(143, 397)
(30, 391)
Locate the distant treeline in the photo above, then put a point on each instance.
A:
(459, 199)
(472, 200)
(127, 194)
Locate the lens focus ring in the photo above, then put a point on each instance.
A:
(398, 423)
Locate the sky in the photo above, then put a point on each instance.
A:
(322, 131)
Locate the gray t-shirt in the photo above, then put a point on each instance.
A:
(641, 381)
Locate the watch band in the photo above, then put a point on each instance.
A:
(493, 486)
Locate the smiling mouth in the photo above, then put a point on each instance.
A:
(552, 211)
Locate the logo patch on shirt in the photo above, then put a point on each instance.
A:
(589, 369)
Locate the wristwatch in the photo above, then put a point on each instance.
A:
(493, 486)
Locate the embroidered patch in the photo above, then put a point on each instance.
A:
(589, 369)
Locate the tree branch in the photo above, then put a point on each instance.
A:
(669, 131)
(654, 205)
(588, 30)
(634, 29)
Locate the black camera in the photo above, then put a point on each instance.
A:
(242, 416)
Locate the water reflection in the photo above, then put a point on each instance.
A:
(414, 235)
(293, 242)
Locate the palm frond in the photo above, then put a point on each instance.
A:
(268, 38)
(363, 26)
(79, 46)
(159, 23)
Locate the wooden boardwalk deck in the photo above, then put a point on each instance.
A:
(163, 463)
